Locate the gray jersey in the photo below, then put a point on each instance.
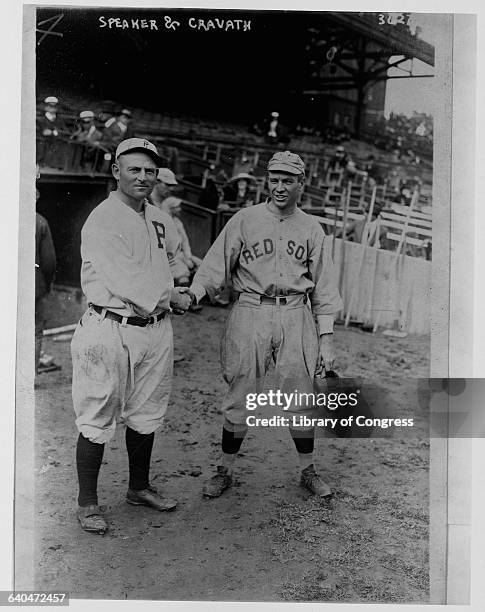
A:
(265, 254)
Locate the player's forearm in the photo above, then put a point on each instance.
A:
(164, 303)
(325, 297)
(325, 324)
(146, 307)
(326, 306)
(210, 277)
(198, 290)
(214, 270)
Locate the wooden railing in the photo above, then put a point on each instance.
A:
(64, 155)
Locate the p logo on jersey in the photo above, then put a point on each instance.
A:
(160, 232)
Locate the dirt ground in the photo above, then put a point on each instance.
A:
(265, 539)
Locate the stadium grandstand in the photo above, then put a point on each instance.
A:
(202, 87)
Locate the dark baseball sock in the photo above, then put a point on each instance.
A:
(304, 440)
(139, 447)
(232, 440)
(89, 456)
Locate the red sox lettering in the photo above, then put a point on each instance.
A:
(252, 252)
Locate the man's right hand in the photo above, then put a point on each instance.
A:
(180, 300)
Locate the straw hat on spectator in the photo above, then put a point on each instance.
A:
(243, 176)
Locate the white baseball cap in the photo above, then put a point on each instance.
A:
(167, 176)
(139, 144)
(275, 114)
(86, 114)
(51, 100)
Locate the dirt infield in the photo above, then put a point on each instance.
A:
(266, 539)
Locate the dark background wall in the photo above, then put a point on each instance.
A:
(234, 75)
(66, 206)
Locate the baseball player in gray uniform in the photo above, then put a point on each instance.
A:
(279, 262)
(122, 349)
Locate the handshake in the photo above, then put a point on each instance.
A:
(181, 299)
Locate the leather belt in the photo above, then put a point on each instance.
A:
(138, 321)
(278, 300)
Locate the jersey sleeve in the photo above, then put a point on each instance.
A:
(325, 297)
(113, 263)
(215, 270)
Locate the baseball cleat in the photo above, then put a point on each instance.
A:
(311, 480)
(218, 483)
(91, 519)
(152, 498)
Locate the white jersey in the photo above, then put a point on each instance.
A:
(125, 267)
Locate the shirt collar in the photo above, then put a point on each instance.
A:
(267, 202)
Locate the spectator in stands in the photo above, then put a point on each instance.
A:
(239, 191)
(184, 264)
(165, 187)
(404, 196)
(272, 133)
(428, 248)
(373, 171)
(107, 115)
(355, 230)
(243, 164)
(255, 128)
(50, 124)
(87, 132)
(351, 171)
(340, 159)
(275, 131)
(398, 145)
(117, 129)
(45, 268)
(396, 177)
(213, 193)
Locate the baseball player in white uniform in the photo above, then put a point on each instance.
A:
(279, 262)
(122, 349)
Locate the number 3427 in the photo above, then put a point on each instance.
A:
(393, 18)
